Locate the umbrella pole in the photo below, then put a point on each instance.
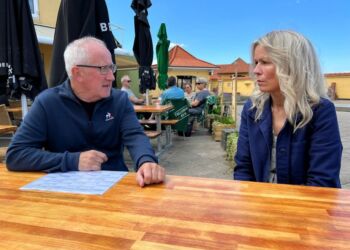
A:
(24, 105)
(147, 96)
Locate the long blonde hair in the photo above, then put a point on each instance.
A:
(298, 71)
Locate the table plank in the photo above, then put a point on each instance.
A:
(182, 213)
(7, 129)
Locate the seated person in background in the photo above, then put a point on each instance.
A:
(173, 91)
(289, 131)
(83, 124)
(198, 103)
(126, 82)
(189, 94)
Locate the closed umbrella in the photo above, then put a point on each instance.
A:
(162, 56)
(76, 19)
(22, 72)
(143, 46)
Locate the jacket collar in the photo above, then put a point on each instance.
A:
(265, 122)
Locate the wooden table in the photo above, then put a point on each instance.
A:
(14, 109)
(157, 110)
(4, 129)
(183, 213)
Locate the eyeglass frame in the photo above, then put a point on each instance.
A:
(103, 69)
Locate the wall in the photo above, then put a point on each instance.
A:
(48, 10)
(46, 54)
(342, 86)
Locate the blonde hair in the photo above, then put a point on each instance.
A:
(298, 71)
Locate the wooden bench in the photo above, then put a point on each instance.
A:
(163, 122)
(152, 134)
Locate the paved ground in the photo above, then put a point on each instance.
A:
(201, 156)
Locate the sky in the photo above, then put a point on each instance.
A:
(220, 31)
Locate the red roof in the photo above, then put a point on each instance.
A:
(239, 66)
(337, 74)
(178, 57)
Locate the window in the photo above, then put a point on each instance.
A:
(34, 8)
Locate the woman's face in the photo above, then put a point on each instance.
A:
(188, 89)
(265, 71)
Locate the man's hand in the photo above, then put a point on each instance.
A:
(91, 160)
(150, 173)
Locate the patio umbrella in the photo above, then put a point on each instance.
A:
(162, 56)
(143, 46)
(21, 68)
(76, 19)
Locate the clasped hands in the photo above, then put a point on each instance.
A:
(148, 173)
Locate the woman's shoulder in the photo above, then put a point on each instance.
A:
(324, 105)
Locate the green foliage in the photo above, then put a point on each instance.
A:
(216, 109)
(224, 119)
(231, 145)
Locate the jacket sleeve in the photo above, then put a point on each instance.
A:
(26, 150)
(134, 138)
(244, 168)
(325, 147)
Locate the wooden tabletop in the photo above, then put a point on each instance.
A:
(7, 129)
(152, 108)
(183, 213)
(14, 109)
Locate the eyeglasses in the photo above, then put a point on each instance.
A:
(197, 83)
(103, 69)
(128, 80)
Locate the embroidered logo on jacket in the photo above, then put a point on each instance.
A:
(109, 117)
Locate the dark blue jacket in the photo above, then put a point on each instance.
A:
(310, 156)
(57, 128)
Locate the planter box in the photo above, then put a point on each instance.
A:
(217, 130)
(224, 134)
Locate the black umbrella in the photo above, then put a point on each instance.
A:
(21, 67)
(76, 19)
(143, 46)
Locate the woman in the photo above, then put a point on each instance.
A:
(289, 131)
(189, 95)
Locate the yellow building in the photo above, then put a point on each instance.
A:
(340, 83)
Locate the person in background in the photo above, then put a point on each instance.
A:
(289, 131)
(126, 82)
(198, 103)
(83, 124)
(189, 94)
(172, 92)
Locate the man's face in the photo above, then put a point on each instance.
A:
(127, 83)
(199, 86)
(93, 84)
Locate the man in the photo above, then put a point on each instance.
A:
(198, 103)
(126, 82)
(173, 92)
(83, 124)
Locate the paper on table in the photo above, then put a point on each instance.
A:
(92, 182)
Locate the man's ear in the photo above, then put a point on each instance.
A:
(76, 73)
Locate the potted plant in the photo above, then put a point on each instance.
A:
(221, 123)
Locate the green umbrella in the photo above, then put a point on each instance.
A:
(162, 56)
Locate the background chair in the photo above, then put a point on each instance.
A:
(179, 112)
(4, 120)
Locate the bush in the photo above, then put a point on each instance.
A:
(231, 146)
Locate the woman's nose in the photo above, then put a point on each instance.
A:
(257, 69)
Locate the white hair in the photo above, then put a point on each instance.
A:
(298, 71)
(77, 52)
(124, 78)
